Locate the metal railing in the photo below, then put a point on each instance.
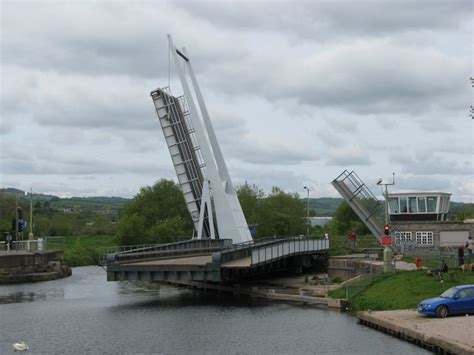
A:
(286, 247)
(193, 246)
(362, 282)
(264, 250)
(40, 244)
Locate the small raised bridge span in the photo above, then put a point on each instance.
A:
(215, 260)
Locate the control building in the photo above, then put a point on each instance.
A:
(421, 221)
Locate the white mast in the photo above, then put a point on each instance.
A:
(217, 194)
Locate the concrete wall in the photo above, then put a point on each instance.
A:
(22, 262)
(436, 228)
(346, 268)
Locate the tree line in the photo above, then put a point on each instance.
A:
(158, 214)
(50, 221)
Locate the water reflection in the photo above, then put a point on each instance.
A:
(91, 315)
(31, 296)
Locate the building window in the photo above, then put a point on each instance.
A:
(431, 202)
(403, 205)
(393, 204)
(421, 204)
(401, 237)
(412, 205)
(424, 238)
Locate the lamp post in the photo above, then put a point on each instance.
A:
(31, 235)
(17, 233)
(387, 253)
(381, 183)
(307, 211)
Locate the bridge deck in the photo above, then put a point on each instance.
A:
(201, 260)
(217, 263)
(239, 263)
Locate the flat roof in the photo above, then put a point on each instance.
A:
(419, 194)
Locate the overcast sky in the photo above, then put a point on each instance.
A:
(297, 92)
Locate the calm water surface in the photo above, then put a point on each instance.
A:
(85, 314)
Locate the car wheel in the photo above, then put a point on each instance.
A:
(442, 312)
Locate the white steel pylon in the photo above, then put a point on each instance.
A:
(208, 192)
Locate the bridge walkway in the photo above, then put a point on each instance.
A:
(211, 262)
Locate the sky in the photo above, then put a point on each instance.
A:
(297, 92)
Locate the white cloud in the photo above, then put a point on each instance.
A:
(297, 92)
(350, 155)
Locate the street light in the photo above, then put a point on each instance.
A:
(307, 211)
(381, 183)
(387, 253)
(31, 235)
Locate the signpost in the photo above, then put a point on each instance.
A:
(386, 240)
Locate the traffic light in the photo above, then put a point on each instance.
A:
(20, 213)
(386, 229)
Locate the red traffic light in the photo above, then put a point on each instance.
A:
(386, 229)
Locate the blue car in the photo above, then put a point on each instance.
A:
(456, 300)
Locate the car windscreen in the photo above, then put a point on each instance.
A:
(449, 292)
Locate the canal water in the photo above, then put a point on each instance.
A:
(85, 314)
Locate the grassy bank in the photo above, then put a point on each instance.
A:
(403, 290)
(340, 245)
(84, 250)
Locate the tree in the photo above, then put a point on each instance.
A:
(249, 197)
(281, 214)
(156, 214)
(7, 213)
(102, 225)
(345, 220)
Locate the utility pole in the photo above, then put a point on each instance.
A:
(16, 219)
(307, 211)
(31, 235)
(387, 253)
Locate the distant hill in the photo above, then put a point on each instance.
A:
(21, 194)
(460, 210)
(90, 202)
(325, 206)
(70, 202)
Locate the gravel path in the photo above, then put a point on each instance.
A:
(454, 332)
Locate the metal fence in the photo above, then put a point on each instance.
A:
(40, 244)
(375, 272)
(264, 250)
(359, 284)
(286, 247)
(130, 252)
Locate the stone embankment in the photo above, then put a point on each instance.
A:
(452, 335)
(26, 266)
(301, 289)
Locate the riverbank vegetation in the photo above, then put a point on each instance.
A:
(158, 214)
(403, 290)
(85, 250)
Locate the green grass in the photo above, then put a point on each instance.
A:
(340, 245)
(84, 250)
(403, 290)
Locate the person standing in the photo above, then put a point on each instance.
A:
(461, 255)
(470, 247)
